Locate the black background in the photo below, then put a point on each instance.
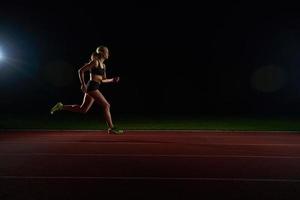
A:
(216, 57)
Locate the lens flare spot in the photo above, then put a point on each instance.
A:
(268, 78)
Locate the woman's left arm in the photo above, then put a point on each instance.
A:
(109, 80)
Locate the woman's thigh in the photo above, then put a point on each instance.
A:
(99, 98)
(88, 101)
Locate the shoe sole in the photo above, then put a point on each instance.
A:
(115, 133)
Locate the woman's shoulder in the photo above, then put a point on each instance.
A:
(95, 62)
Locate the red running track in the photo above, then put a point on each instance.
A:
(149, 165)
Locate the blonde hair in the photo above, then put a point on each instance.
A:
(94, 55)
(100, 49)
(97, 53)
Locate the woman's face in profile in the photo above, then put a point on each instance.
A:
(105, 53)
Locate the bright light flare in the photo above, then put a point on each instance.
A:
(1, 55)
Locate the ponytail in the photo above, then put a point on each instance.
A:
(94, 55)
(97, 53)
(100, 49)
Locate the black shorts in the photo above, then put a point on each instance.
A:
(92, 85)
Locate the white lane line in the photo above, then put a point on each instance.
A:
(155, 178)
(146, 143)
(149, 155)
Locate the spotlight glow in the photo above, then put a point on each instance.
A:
(1, 55)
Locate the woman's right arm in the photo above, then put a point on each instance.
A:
(83, 69)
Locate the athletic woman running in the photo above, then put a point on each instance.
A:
(91, 91)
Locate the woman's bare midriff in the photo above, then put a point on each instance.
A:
(97, 78)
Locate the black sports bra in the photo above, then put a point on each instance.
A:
(98, 71)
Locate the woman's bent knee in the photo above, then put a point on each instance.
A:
(106, 106)
(84, 110)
